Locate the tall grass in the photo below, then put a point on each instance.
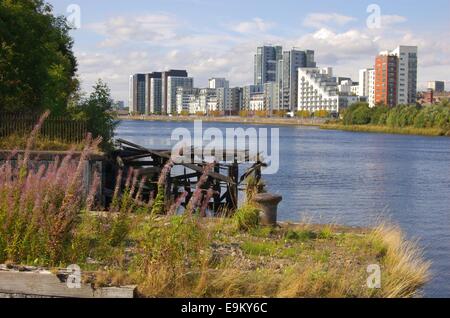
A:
(405, 269)
(39, 205)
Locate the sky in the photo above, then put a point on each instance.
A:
(211, 38)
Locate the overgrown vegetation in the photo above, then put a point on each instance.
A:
(38, 69)
(428, 120)
(46, 220)
(20, 142)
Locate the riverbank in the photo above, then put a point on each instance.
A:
(233, 119)
(187, 256)
(385, 129)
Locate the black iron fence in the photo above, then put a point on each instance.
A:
(55, 127)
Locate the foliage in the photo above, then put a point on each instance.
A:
(253, 187)
(97, 111)
(40, 206)
(402, 116)
(215, 113)
(246, 217)
(261, 113)
(279, 113)
(303, 114)
(358, 114)
(244, 113)
(37, 65)
(322, 114)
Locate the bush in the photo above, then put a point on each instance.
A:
(322, 114)
(246, 218)
(303, 114)
(244, 113)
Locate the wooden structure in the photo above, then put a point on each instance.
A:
(224, 178)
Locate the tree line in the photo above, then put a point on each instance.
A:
(432, 116)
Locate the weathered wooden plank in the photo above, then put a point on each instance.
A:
(46, 284)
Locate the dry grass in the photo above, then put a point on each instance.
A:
(195, 257)
(405, 270)
(386, 129)
(41, 143)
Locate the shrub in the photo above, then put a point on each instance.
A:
(246, 217)
(244, 113)
(322, 114)
(303, 114)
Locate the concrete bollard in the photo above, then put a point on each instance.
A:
(269, 205)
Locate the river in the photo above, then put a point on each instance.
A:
(354, 179)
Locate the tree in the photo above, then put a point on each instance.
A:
(358, 114)
(97, 111)
(37, 65)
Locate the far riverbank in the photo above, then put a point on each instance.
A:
(232, 119)
(386, 129)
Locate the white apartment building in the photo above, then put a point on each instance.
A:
(371, 88)
(354, 90)
(407, 74)
(207, 100)
(212, 104)
(186, 99)
(364, 79)
(222, 87)
(345, 87)
(257, 102)
(317, 90)
(174, 82)
(366, 87)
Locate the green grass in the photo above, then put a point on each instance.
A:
(17, 142)
(260, 248)
(386, 129)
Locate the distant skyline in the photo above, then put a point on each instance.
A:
(219, 39)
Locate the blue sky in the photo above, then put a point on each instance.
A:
(218, 38)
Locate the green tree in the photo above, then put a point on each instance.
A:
(97, 111)
(379, 115)
(37, 65)
(358, 114)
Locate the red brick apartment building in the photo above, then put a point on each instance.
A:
(386, 67)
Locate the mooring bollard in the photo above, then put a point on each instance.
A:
(269, 205)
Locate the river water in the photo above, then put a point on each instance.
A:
(354, 179)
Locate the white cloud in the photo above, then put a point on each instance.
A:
(320, 20)
(146, 28)
(255, 25)
(390, 20)
(230, 54)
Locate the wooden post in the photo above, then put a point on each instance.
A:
(217, 190)
(233, 188)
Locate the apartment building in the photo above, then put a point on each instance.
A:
(406, 74)
(386, 79)
(317, 90)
